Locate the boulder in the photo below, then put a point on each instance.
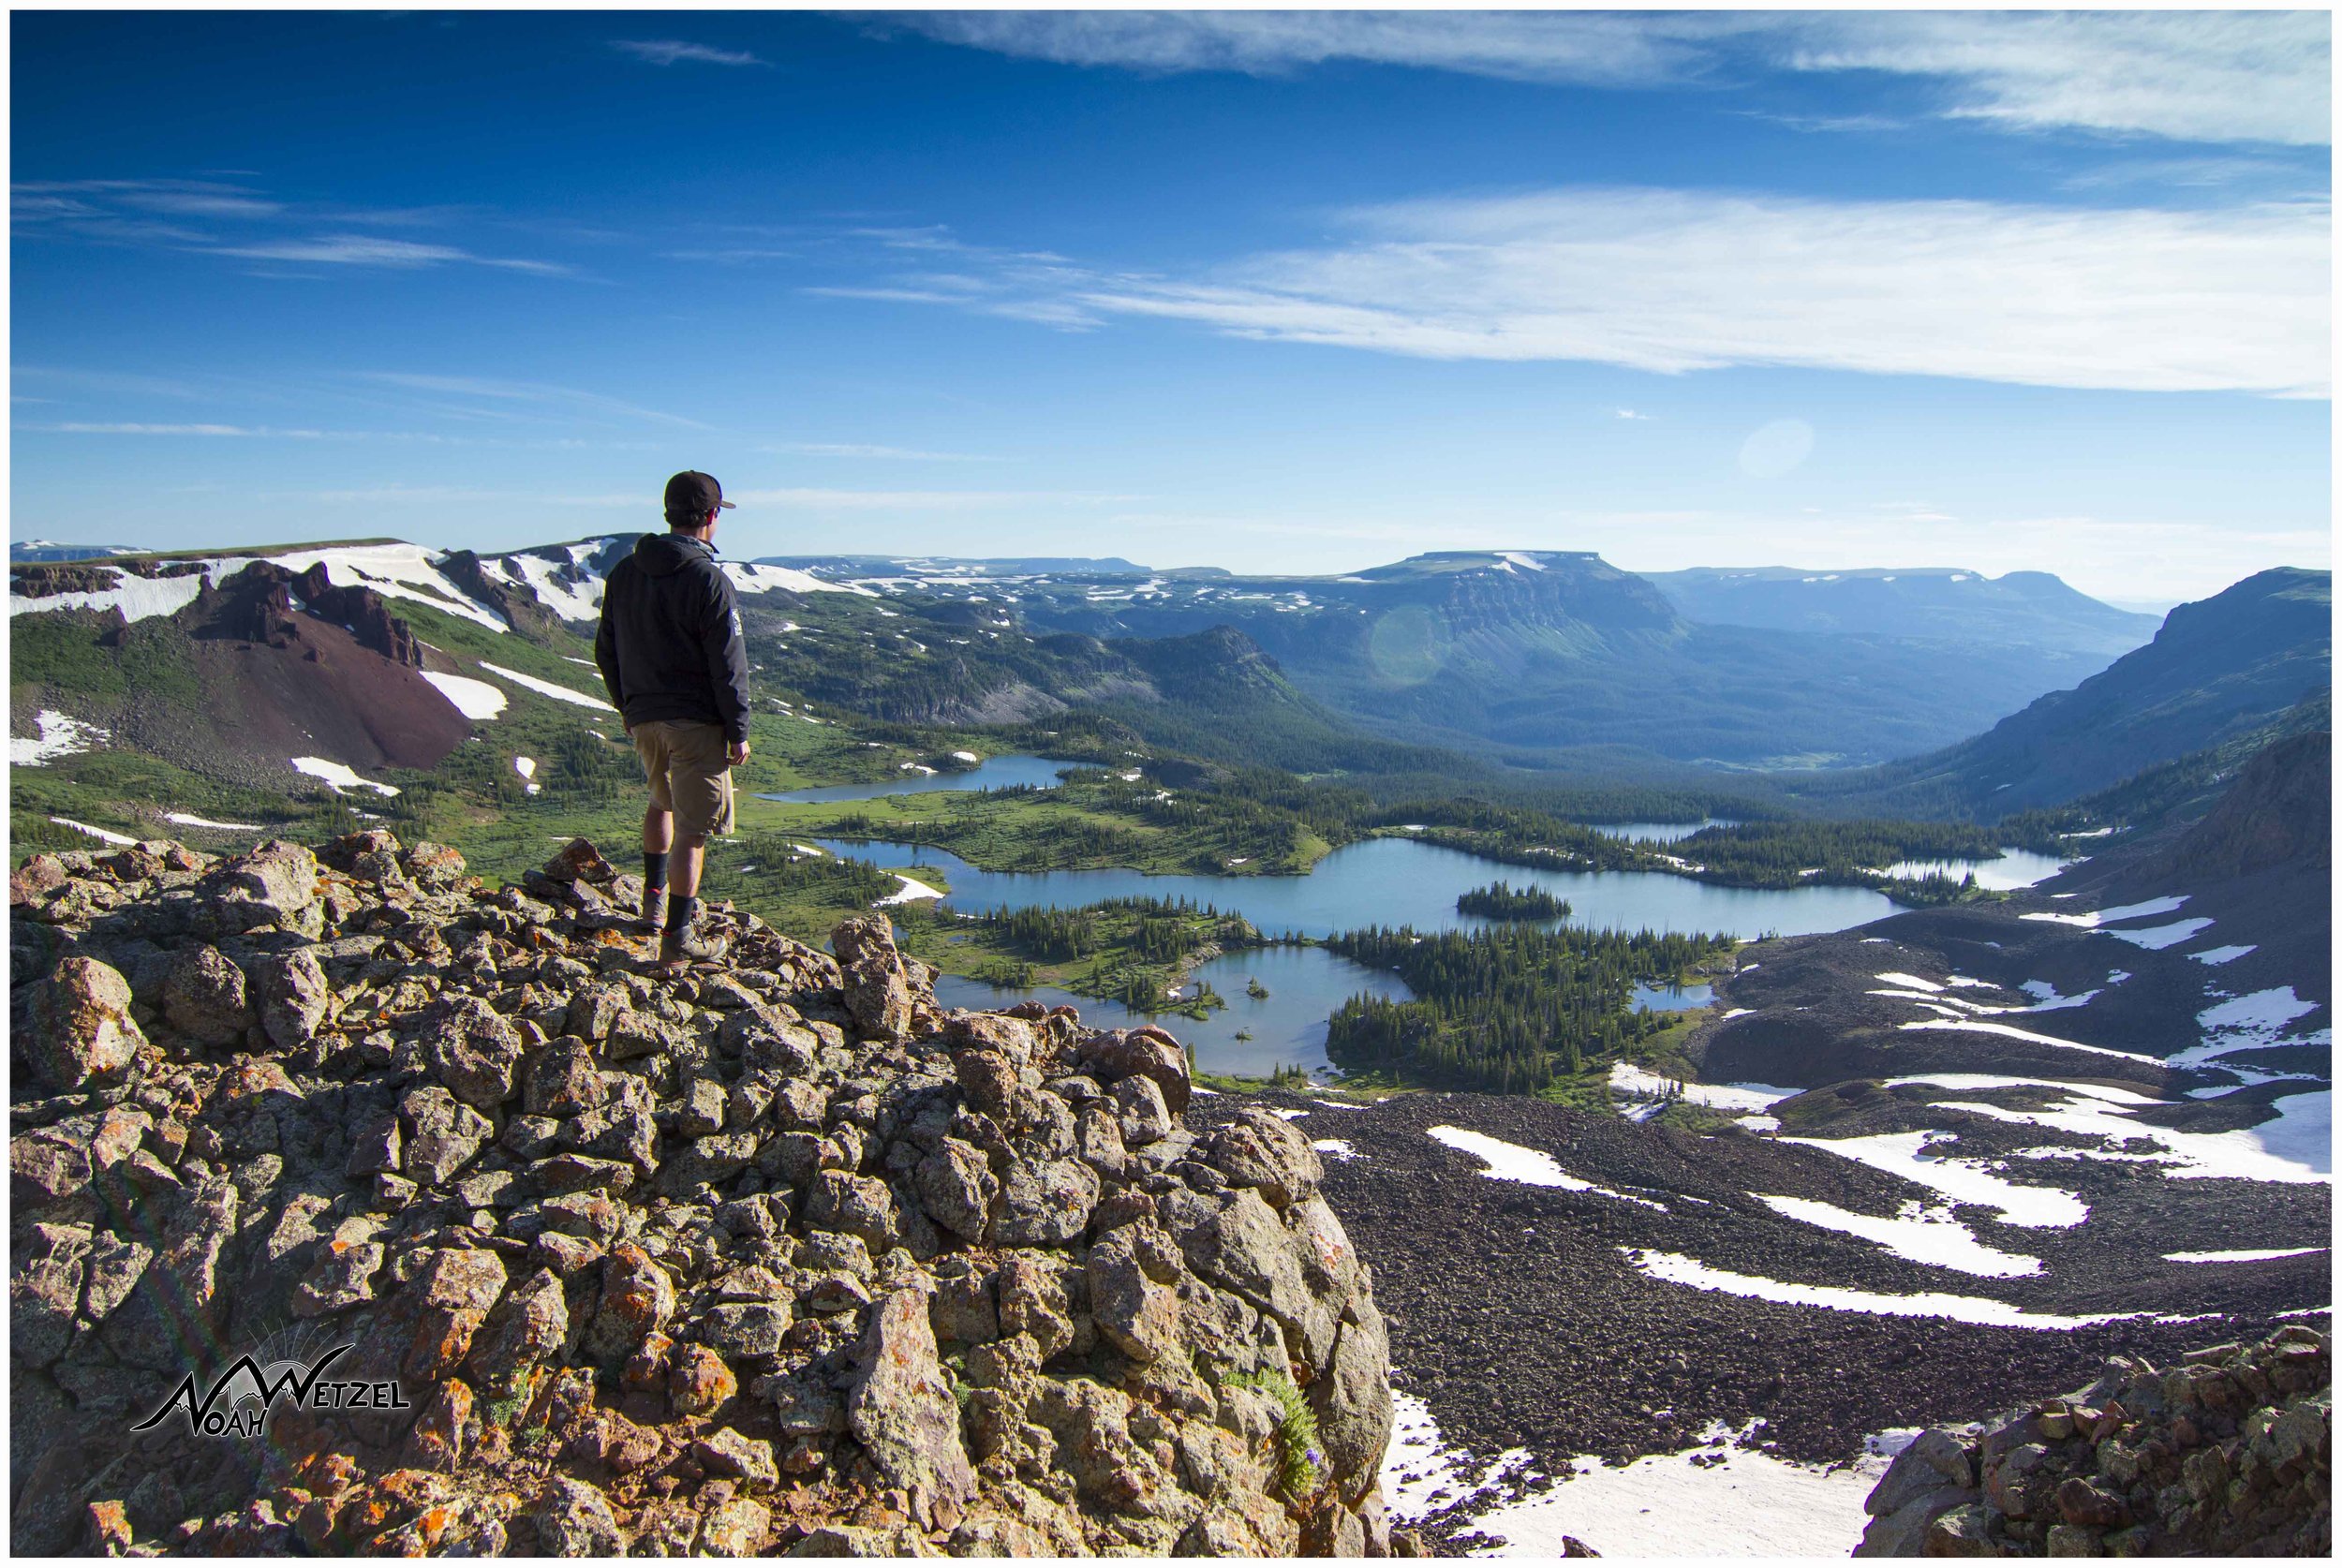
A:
(205, 998)
(79, 1028)
(901, 1407)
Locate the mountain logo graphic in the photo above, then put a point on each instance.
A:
(239, 1400)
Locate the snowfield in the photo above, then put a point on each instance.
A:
(546, 689)
(1737, 1501)
(1922, 1236)
(474, 700)
(59, 736)
(338, 776)
(1677, 1269)
(1511, 1163)
(1905, 1154)
(2123, 911)
(912, 889)
(94, 832)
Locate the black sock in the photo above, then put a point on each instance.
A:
(679, 914)
(654, 872)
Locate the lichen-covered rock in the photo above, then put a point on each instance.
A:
(294, 999)
(2230, 1453)
(902, 1409)
(772, 1255)
(573, 1519)
(473, 1050)
(877, 989)
(80, 1029)
(205, 996)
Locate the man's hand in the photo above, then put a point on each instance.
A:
(737, 753)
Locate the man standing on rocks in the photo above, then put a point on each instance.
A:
(671, 652)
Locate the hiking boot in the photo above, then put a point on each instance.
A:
(683, 945)
(654, 915)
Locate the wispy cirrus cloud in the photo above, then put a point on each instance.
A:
(2192, 76)
(1570, 46)
(80, 427)
(922, 500)
(669, 52)
(531, 392)
(902, 454)
(374, 250)
(215, 218)
(2226, 76)
(2143, 299)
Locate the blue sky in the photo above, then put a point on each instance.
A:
(1285, 293)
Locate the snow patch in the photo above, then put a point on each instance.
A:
(1921, 1235)
(2221, 954)
(2242, 1255)
(2123, 911)
(1677, 1269)
(1975, 1026)
(1339, 1148)
(1631, 1082)
(1963, 1181)
(59, 736)
(1734, 1501)
(338, 776)
(2159, 936)
(472, 699)
(546, 689)
(92, 832)
(1511, 1163)
(913, 889)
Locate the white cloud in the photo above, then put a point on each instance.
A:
(848, 448)
(371, 250)
(2227, 76)
(83, 428)
(201, 205)
(524, 393)
(920, 500)
(1581, 47)
(667, 51)
(2192, 76)
(2141, 300)
(1629, 414)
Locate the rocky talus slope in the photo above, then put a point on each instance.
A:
(2229, 1453)
(771, 1254)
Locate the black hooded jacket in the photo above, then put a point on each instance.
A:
(670, 645)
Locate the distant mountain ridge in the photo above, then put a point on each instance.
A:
(2219, 670)
(2027, 607)
(1542, 657)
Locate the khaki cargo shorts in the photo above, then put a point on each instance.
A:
(690, 771)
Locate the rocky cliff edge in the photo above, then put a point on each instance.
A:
(771, 1254)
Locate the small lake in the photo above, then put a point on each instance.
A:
(1287, 1027)
(993, 773)
(1670, 999)
(1662, 833)
(2015, 868)
(1403, 882)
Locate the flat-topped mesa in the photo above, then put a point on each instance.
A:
(768, 1254)
(2230, 1453)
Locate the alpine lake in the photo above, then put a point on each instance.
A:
(1378, 881)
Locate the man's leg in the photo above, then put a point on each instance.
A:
(657, 836)
(702, 802)
(683, 867)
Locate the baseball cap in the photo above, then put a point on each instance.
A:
(695, 495)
